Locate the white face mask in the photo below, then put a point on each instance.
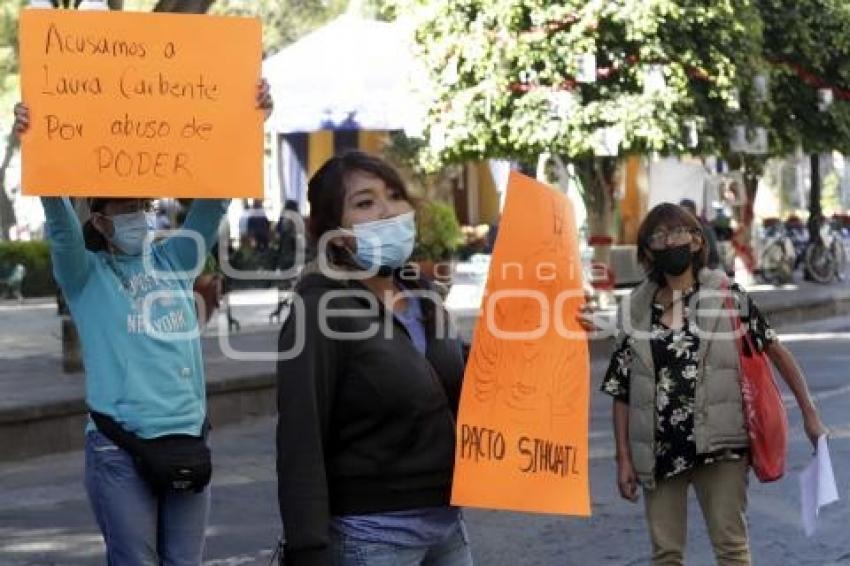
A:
(385, 243)
(131, 231)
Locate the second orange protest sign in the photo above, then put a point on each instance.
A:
(135, 104)
(523, 420)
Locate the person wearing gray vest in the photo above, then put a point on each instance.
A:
(676, 384)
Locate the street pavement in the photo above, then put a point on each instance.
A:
(31, 349)
(45, 519)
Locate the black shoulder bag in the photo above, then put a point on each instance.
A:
(175, 462)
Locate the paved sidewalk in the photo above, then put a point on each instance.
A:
(42, 409)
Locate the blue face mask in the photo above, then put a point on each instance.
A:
(385, 243)
(131, 231)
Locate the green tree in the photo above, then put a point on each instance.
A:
(391, 10)
(807, 44)
(587, 82)
(805, 53)
(9, 85)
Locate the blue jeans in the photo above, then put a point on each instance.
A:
(454, 551)
(139, 528)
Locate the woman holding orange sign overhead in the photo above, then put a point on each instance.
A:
(147, 461)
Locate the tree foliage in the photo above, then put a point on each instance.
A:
(807, 48)
(507, 76)
(391, 10)
(284, 21)
(9, 82)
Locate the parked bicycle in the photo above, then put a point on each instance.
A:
(778, 259)
(799, 234)
(826, 257)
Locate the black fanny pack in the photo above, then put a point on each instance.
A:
(175, 462)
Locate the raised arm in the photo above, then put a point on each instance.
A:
(62, 227)
(205, 215)
(71, 261)
(203, 220)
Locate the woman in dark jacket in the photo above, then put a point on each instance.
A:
(368, 386)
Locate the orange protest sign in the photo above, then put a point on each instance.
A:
(141, 105)
(523, 421)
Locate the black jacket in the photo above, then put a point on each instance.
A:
(365, 425)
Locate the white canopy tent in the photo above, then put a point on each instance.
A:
(352, 73)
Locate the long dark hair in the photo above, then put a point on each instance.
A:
(670, 216)
(94, 240)
(326, 192)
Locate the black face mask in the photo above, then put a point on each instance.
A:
(673, 261)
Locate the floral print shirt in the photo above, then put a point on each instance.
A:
(675, 353)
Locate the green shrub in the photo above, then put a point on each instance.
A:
(35, 256)
(438, 233)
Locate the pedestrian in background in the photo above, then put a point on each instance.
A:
(287, 236)
(678, 409)
(259, 227)
(366, 425)
(144, 370)
(163, 222)
(713, 261)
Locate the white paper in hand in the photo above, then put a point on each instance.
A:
(817, 486)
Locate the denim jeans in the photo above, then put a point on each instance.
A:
(454, 551)
(140, 528)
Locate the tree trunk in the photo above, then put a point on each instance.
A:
(599, 181)
(7, 211)
(752, 168)
(815, 210)
(113, 4)
(183, 6)
(743, 238)
(72, 356)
